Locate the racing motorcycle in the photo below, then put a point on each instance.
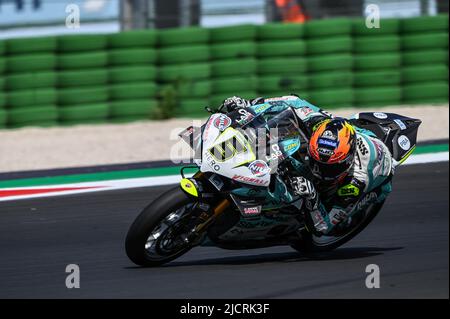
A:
(231, 201)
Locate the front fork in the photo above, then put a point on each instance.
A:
(194, 189)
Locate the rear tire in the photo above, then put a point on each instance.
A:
(146, 223)
(310, 245)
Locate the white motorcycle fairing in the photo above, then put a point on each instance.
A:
(227, 152)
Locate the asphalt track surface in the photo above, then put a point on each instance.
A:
(409, 241)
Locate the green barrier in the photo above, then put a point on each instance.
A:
(33, 80)
(282, 66)
(376, 61)
(142, 73)
(425, 24)
(340, 44)
(35, 115)
(378, 78)
(30, 63)
(30, 45)
(279, 31)
(77, 61)
(387, 43)
(2, 65)
(281, 48)
(90, 77)
(286, 83)
(140, 90)
(424, 57)
(184, 54)
(132, 56)
(224, 68)
(3, 118)
(230, 84)
(192, 108)
(389, 95)
(427, 73)
(184, 72)
(387, 27)
(84, 112)
(425, 41)
(184, 36)
(194, 88)
(30, 98)
(330, 80)
(426, 92)
(133, 39)
(328, 27)
(74, 96)
(139, 108)
(85, 42)
(233, 50)
(332, 62)
(233, 33)
(331, 98)
(2, 100)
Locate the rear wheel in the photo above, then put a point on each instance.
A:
(158, 234)
(311, 243)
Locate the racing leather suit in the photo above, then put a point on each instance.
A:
(334, 202)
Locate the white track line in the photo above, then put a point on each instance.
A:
(167, 180)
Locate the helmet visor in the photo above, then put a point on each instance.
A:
(330, 171)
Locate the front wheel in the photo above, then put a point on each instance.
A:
(158, 235)
(310, 243)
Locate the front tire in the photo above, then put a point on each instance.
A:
(148, 229)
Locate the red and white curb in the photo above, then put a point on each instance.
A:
(18, 193)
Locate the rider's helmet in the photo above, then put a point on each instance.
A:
(332, 149)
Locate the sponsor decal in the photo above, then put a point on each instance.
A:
(208, 127)
(337, 215)
(372, 196)
(348, 190)
(188, 131)
(291, 146)
(262, 107)
(361, 146)
(304, 112)
(325, 151)
(400, 124)
(211, 162)
(380, 115)
(251, 180)
(404, 142)
(216, 181)
(327, 142)
(329, 135)
(245, 117)
(259, 168)
(251, 210)
(222, 122)
(276, 154)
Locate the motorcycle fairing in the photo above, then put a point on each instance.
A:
(228, 153)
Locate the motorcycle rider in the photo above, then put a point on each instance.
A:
(347, 163)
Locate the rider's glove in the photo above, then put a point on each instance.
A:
(235, 102)
(303, 187)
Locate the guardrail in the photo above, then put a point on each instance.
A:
(69, 80)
